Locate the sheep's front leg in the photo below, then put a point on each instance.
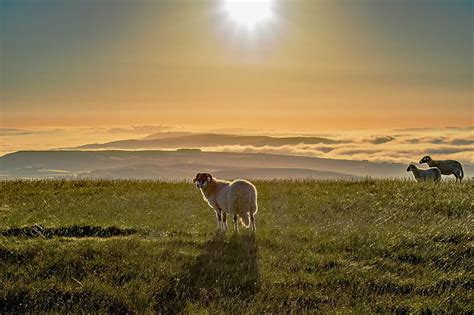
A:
(236, 224)
(224, 221)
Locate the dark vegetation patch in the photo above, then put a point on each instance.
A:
(226, 268)
(11, 256)
(67, 231)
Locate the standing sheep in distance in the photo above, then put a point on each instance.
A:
(237, 198)
(446, 167)
(430, 174)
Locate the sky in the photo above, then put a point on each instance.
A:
(309, 65)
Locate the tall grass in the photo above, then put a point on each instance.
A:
(320, 246)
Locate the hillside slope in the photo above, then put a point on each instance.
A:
(183, 163)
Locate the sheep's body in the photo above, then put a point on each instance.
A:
(242, 200)
(432, 174)
(447, 167)
(237, 198)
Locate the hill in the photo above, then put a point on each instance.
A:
(186, 140)
(183, 164)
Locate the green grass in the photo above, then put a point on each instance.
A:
(320, 246)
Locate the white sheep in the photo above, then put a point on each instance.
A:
(430, 174)
(447, 167)
(237, 198)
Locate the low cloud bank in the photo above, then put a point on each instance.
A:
(405, 148)
(394, 145)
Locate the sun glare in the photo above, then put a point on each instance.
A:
(248, 14)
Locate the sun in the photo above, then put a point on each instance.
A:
(248, 14)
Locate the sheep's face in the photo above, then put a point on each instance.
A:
(410, 167)
(425, 159)
(202, 180)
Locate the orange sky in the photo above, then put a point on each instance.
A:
(315, 65)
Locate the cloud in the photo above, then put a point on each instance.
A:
(13, 132)
(405, 148)
(4, 132)
(380, 139)
(143, 129)
(424, 140)
(447, 150)
(428, 129)
(461, 141)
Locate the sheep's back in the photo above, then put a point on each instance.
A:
(448, 167)
(429, 174)
(242, 195)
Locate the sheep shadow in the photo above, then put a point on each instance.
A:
(68, 231)
(227, 268)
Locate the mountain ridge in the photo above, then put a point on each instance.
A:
(203, 140)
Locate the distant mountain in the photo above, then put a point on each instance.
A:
(170, 134)
(186, 140)
(183, 164)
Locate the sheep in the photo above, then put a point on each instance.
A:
(237, 198)
(430, 174)
(447, 167)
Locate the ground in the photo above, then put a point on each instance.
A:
(320, 246)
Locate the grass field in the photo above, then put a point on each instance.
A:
(320, 246)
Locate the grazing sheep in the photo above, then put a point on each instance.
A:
(237, 198)
(430, 174)
(447, 167)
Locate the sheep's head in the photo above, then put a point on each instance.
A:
(202, 180)
(410, 167)
(425, 159)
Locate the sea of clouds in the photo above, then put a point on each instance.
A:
(387, 145)
(399, 145)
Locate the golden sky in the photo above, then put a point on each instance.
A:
(311, 65)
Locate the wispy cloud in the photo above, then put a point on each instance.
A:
(380, 139)
(5, 132)
(141, 130)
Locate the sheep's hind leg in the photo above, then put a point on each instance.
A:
(458, 176)
(252, 222)
(236, 223)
